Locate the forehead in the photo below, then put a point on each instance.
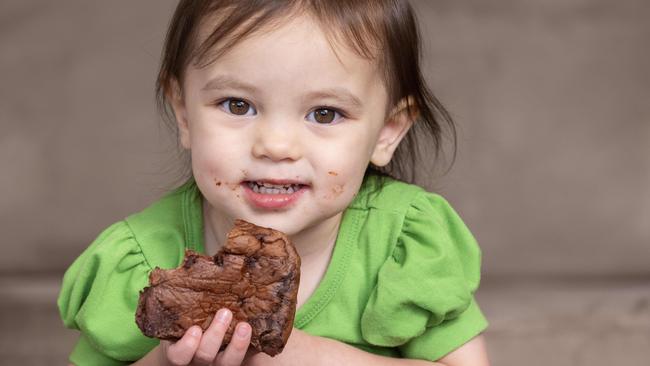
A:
(290, 46)
(221, 27)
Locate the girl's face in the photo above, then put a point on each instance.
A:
(281, 110)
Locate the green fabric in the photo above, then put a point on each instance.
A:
(400, 282)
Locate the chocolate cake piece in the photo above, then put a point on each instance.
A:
(255, 275)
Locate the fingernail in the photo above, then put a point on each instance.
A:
(223, 315)
(243, 330)
(196, 331)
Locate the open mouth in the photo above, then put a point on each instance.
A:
(271, 188)
(273, 194)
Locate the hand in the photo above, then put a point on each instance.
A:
(198, 348)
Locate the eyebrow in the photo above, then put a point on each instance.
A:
(340, 95)
(228, 82)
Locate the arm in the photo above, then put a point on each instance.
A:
(305, 349)
(472, 353)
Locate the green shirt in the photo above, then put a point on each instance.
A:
(400, 283)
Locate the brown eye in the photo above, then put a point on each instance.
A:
(324, 115)
(238, 107)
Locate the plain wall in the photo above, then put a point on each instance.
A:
(550, 97)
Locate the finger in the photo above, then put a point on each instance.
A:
(212, 337)
(236, 350)
(181, 352)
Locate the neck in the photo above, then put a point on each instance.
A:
(215, 230)
(317, 240)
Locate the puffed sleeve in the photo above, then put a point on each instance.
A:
(99, 296)
(423, 302)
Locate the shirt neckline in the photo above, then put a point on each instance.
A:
(192, 211)
(335, 273)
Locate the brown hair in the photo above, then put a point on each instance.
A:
(380, 30)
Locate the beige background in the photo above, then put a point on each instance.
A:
(552, 176)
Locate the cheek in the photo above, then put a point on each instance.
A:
(339, 194)
(211, 155)
(343, 182)
(343, 171)
(220, 183)
(214, 172)
(337, 190)
(337, 187)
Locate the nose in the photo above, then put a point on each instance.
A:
(277, 141)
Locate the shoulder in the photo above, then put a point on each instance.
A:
(405, 202)
(168, 226)
(101, 287)
(385, 193)
(430, 272)
(129, 249)
(159, 232)
(388, 214)
(414, 220)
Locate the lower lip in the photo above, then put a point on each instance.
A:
(272, 201)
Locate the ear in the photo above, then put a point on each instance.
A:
(397, 124)
(175, 98)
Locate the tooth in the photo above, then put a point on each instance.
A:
(268, 188)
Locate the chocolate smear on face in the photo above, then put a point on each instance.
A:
(337, 190)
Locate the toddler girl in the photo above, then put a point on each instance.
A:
(292, 112)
